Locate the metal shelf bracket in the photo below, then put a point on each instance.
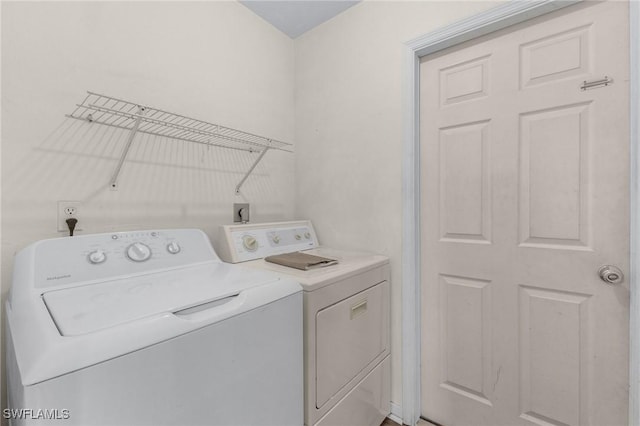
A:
(253, 166)
(125, 151)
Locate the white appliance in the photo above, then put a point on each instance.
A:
(346, 320)
(150, 328)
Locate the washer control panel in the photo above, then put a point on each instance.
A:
(103, 256)
(240, 243)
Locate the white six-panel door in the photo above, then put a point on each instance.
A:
(525, 196)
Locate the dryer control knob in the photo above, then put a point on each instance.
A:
(307, 235)
(138, 252)
(96, 257)
(173, 247)
(276, 239)
(250, 243)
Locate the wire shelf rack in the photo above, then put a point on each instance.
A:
(137, 118)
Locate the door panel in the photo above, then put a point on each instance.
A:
(554, 177)
(524, 196)
(466, 361)
(465, 205)
(553, 331)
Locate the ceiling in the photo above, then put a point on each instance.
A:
(296, 17)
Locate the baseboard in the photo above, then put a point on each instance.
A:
(396, 413)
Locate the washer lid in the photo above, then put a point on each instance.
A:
(89, 308)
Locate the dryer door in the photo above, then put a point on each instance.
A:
(351, 335)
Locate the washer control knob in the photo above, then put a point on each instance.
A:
(96, 257)
(250, 243)
(173, 247)
(138, 252)
(276, 239)
(307, 235)
(298, 237)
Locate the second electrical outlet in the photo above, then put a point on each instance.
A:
(241, 212)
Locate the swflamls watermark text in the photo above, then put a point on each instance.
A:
(36, 414)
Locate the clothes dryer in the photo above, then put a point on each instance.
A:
(346, 319)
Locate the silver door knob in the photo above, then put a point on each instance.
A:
(610, 274)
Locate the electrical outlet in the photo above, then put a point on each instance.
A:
(241, 212)
(67, 210)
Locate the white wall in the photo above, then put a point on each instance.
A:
(348, 125)
(216, 61)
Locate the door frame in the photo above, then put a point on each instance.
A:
(494, 19)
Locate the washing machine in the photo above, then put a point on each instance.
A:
(346, 319)
(150, 328)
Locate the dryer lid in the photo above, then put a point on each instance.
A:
(89, 308)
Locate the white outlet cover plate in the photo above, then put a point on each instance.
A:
(63, 216)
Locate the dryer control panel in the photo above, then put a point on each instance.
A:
(240, 243)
